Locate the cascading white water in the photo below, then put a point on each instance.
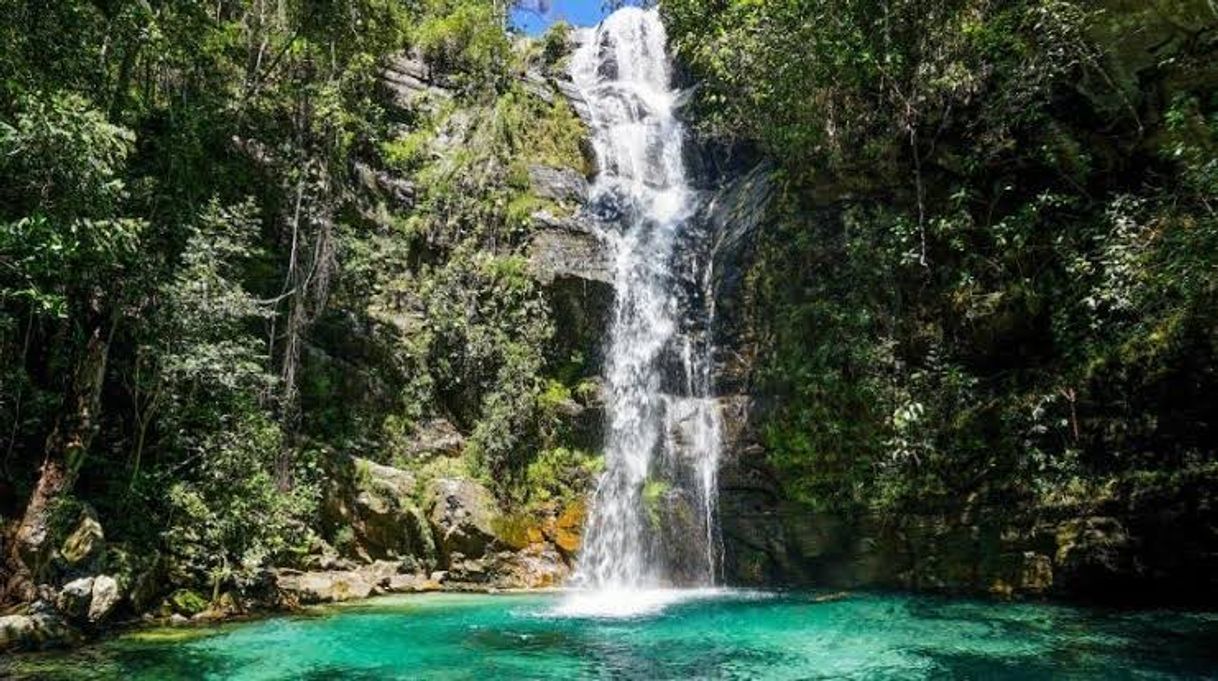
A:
(652, 520)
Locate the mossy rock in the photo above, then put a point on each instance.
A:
(518, 530)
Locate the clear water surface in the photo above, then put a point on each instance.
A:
(698, 635)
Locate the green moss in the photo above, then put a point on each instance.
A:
(653, 494)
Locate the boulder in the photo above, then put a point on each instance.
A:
(35, 631)
(106, 596)
(567, 247)
(537, 567)
(85, 542)
(325, 587)
(377, 503)
(462, 514)
(75, 598)
(412, 584)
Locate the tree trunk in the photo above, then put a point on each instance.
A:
(28, 555)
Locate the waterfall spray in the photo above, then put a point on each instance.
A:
(652, 522)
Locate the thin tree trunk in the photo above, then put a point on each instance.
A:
(65, 451)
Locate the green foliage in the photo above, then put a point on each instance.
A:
(965, 292)
(229, 518)
(465, 38)
(561, 474)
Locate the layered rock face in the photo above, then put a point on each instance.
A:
(1127, 547)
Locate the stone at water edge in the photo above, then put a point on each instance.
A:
(75, 598)
(325, 587)
(35, 631)
(412, 584)
(89, 599)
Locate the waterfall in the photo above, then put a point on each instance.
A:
(651, 523)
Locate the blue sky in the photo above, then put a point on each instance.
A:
(577, 12)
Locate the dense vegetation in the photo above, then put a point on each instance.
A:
(229, 259)
(993, 269)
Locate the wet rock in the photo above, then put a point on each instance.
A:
(567, 533)
(563, 185)
(462, 514)
(568, 248)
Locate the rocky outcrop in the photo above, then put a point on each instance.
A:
(569, 248)
(735, 214)
(462, 515)
(407, 79)
(376, 503)
(563, 185)
(576, 270)
(394, 192)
